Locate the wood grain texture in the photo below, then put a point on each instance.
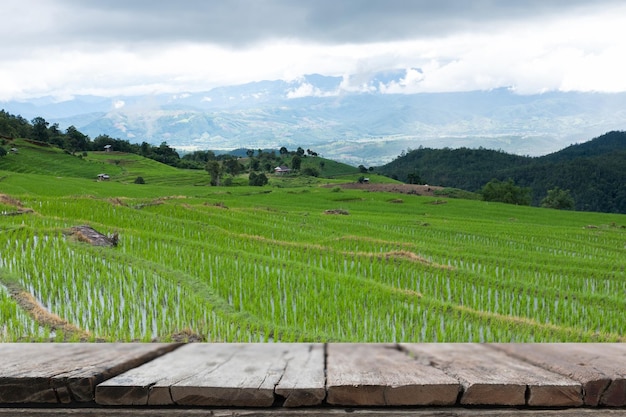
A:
(175, 377)
(214, 374)
(65, 373)
(376, 375)
(599, 367)
(304, 379)
(491, 377)
(309, 412)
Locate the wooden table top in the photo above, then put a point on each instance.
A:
(305, 379)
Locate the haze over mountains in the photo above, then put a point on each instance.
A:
(358, 121)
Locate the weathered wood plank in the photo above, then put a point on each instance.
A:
(304, 380)
(490, 377)
(599, 367)
(375, 374)
(149, 384)
(310, 412)
(67, 372)
(238, 375)
(247, 378)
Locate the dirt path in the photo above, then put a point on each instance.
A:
(10, 201)
(43, 317)
(426, 190)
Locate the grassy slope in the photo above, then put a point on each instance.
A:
(390, 257)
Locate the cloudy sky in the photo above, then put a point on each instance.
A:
(64, 48)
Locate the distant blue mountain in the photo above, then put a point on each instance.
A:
(346, 119)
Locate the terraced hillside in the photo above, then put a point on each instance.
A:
(291, 262)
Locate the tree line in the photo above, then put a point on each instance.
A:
(74, 141)
(220, 167)
(592, 174)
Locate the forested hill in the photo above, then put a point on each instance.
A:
(594, 171)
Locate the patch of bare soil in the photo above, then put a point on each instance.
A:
(38, 143)
(403, 254)
(45, 318)
(116, 201)
(10, 201)
(426, 190)
(219, 204)
(88, 235)
(187, 336)
(408, 292)
(410, 256)
(337, 211)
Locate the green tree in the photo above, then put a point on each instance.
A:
(40, 129)
(75, 140)
(232, 166)
(283, 150)
(165, 154)
(7, 122)
(413, 178)
(215, 171)
(506, 192)
(2, 151)
(145, 149)
(101, 141)
(296, 162)
(257, 180)
(201, 157)
(255, 164)
(558, 199)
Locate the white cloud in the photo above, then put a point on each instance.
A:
(308, 90)
(568, 51)
(359, 83)
(303, 90)
(408, 84)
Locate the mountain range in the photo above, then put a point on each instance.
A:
(352, 120)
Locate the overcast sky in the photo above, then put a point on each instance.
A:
(120, 47)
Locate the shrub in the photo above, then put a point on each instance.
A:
(311, 172)
(257, 180)
(506, 192)
(139, 180)
(558, 199)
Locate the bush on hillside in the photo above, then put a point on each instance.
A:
(310, 172)
(257, 180)
(558, 199)
(506, 192)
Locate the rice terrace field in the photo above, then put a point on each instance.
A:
(292, 261)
